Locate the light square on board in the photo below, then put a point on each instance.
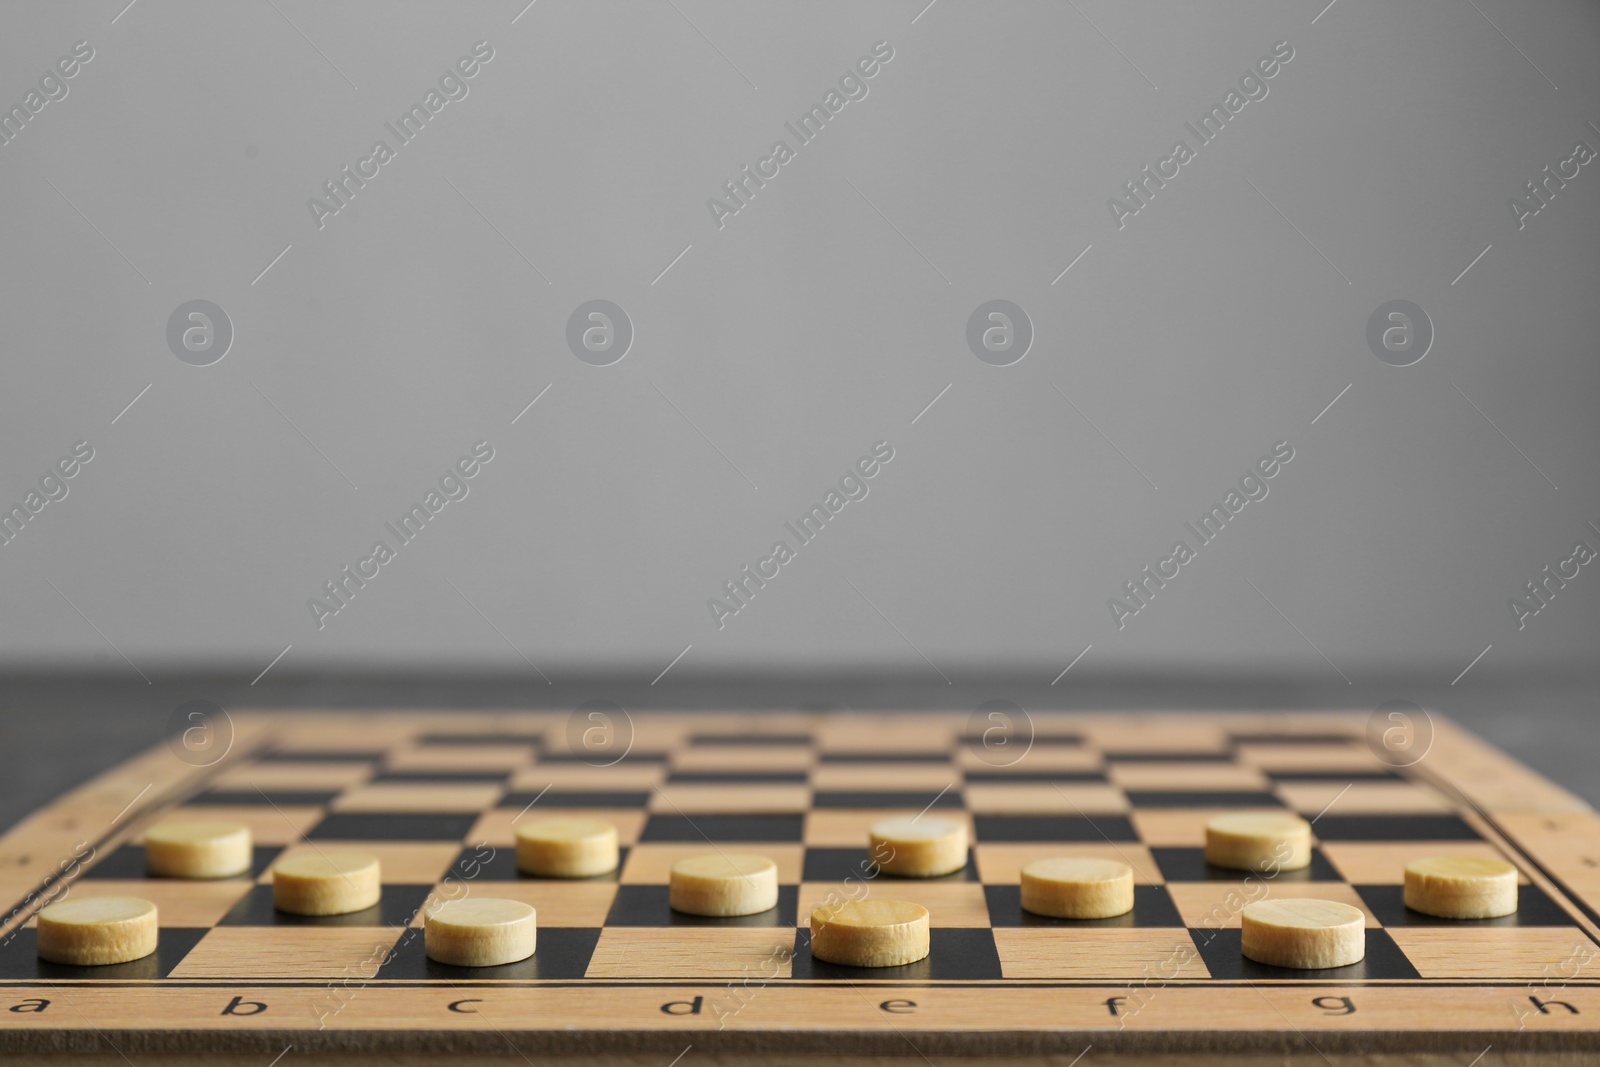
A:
(1384, 862)
(1176, 774)
(1125, 736)
(417, 796)
(460, 757)
(400, 862)
(321, 952)
(692, 952)
(581, 903)
(292, 776)
(1036, 759)
(745, 758)
(1129, 952)
(1176, 827)
(897, 734)
(693, 797)
(1216, 905)
(1064, 798)
(850, 827)
(1361, 798)
(178, 902)
(1001, 863)
(651, 863)
(498, 827)
(1278, 757)
(902, 777)
(269, 825)
(361, 739)
(948, 903)
(627, 775)
(1494, 951)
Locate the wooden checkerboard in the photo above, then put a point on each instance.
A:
(438, 797)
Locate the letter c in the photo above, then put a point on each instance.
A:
(456, 1007)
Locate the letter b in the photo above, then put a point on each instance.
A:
(236, 1005)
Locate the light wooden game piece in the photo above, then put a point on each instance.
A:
(1259, 841)
(1074, 887)
(197, 848)
(719, 884)
(326, 883)
(1461, 887)
(567, 848)
(480, 932)
(1305, 934)
(870, 933)
(919, 847)
(95, 931)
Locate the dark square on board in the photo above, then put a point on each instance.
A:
(1223, 957)
(1394, 828)
(1152, 906)
(1189, 865)
(128, 863)
(441, 777)
(320, 757)
(576, 798)
(750, 739)
(838, 864)
(672, 827)
(1534, 908)
(909, 800)
(397, 905)
(738, 778)
(499, 864)
(1034, 777)
(955, 955)
(394, 826)
(252, 798)
(647, 905)
(886, 757)
(20, 962)
(506, 739)
(1180, 756)
(996, 828)
(1198, 798)
(563, 953)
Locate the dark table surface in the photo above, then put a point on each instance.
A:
(59, 731)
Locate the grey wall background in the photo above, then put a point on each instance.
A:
(825, 316)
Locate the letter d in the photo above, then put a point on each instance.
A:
(689, 1007)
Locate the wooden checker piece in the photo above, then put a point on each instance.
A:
(1076, 887)
(334, 882)
(198, 848)
(481, 932)
(567, 848)
(1303, 934)
(724, 884)
(97, 931)
(870, 933)
(1259, 841)
(1461, 887)
(919, 846)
